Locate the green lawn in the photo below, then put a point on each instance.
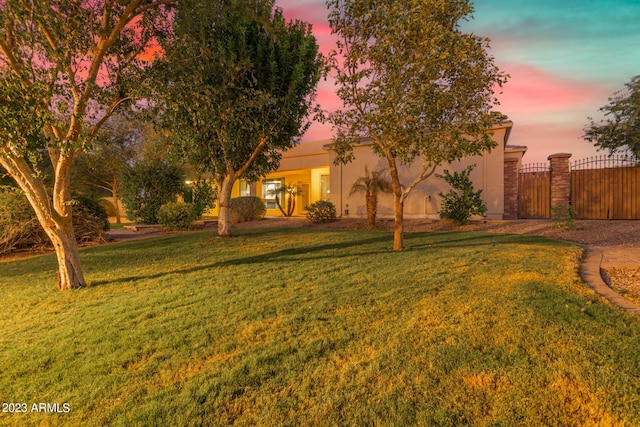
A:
(307, 327)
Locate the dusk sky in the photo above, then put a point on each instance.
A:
(565, 60)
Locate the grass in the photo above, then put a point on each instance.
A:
(309, 327)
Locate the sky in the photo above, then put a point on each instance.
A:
(565, 59)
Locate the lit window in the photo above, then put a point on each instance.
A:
(245, 188)
(269, 188)
(325, 187)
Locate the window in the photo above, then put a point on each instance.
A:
(245, 188)
(325, 187)
(269, 187)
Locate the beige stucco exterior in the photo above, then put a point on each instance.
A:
(305, 166)
(310, 167)
(424, 201)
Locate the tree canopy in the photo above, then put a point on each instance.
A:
(115, 147)
(235, 88)
(620, 128)
(414, 83)
(65, 67)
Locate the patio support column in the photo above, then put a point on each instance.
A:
(560, 180)
(510, 188)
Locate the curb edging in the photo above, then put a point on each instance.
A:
(590, 274)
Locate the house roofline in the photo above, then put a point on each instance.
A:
(507, 125)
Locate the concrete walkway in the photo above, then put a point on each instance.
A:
(607, 257)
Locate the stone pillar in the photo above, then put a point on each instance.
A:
(560, 179)
(510, 188)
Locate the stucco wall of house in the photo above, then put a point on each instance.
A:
(424, 201)
(311, 164)
(302, 166)
(306, 155)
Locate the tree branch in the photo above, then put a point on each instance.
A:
(428, 169)
(112, 109)
(33, 188)
(16, 66)
(254, 155)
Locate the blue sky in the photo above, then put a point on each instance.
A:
(565, 60)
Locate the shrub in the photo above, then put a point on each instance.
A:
(108, 206)
(247, 208)
(90, 220)
(202, 195)
(148, 185)
(19, 227)
(564, 217)
(177, 216)
(461, 201)
(321, 211)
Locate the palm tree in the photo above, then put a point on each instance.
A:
(289, 192)
(371, 184)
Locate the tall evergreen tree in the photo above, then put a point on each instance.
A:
(235, 88)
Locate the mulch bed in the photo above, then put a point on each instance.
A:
(625, 281)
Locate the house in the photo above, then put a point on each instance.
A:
(310, 167)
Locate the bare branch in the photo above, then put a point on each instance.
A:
(96, 128)
(16, 66)
(428, 169)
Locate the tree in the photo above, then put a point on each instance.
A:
(412, 82)
(148, 185)
(235, 88)
(370, 185)
(621, 128)
(289, 193)
(65, 67)
(115, 147)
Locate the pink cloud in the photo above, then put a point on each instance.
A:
(543, 139)
(531, 90)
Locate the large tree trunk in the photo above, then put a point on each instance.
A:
(398, 227)
(55, 215)
(225, 185)
(60, 228)
(372, 201)
(62, 236)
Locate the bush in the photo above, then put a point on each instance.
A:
(461, 201)
(321, 211)
(202, 195)
(19, 227)
(90, 220)
(108, 206)
(247, 208)
(177, 216)
(564, 217)
(148, 185)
